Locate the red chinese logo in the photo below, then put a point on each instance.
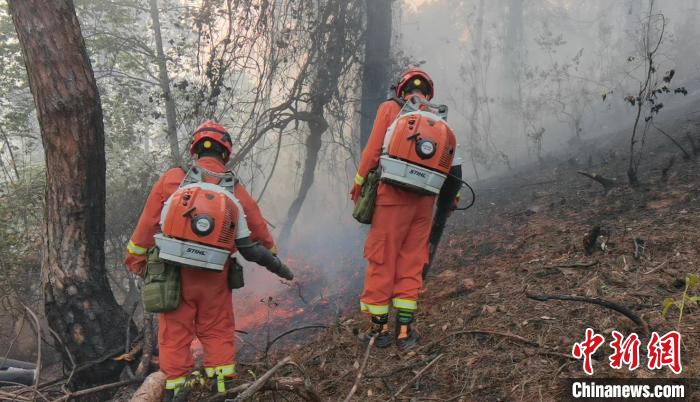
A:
(586, 349)
(665, 351)
(625, 351)
(662, 351)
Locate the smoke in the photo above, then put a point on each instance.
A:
(517, 73)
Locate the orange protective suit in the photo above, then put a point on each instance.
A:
(205, 309)
(397, 242)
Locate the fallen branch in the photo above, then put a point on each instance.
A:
(260, 382)
(655, 268)
(575, 265)
(601, 302)
(416, 377)
(608, 184)
(100, 388)
(86, 365)
(299, 386)
(10, 396)
(361, 369)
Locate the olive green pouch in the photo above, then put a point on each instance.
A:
(161, 289)
(364, 207)
(235, 275)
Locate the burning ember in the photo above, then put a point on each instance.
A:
(322, 290)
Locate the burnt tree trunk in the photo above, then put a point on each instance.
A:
(164, 82)
(376, 68)
(332, 56)
(79, 304)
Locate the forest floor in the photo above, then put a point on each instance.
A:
(481, 334)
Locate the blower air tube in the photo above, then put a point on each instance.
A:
(444, 206)
(255, 252)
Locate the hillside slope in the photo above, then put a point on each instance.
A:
(525, 236)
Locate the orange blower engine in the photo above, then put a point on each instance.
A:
(200, 223)
(419, 147)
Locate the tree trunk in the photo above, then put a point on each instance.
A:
(79, 304)
(324, 84)
(376, 68)
(313, 148)
(164, 82)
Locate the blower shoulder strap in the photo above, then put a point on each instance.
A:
(196, 174)
(398, 100)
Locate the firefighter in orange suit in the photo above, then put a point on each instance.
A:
(205, 308)
(397, 243)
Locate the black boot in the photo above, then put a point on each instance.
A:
(405, 337)
(169, 395)
(381, 331)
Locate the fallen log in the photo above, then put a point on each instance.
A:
(7, 363)
(16, 376)
(151, 390)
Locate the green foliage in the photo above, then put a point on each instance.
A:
(21, 234)
(691, 283)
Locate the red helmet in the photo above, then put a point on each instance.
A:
(211, 130)
(415, 78)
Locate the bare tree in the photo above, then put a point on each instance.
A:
(336, 51)
(646, 101)
(79, 304)
(164, 82)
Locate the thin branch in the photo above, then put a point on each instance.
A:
(361, 369)
(260, 382)
(416, 377)
(100, 388)
(575, 265)
(686, 155)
